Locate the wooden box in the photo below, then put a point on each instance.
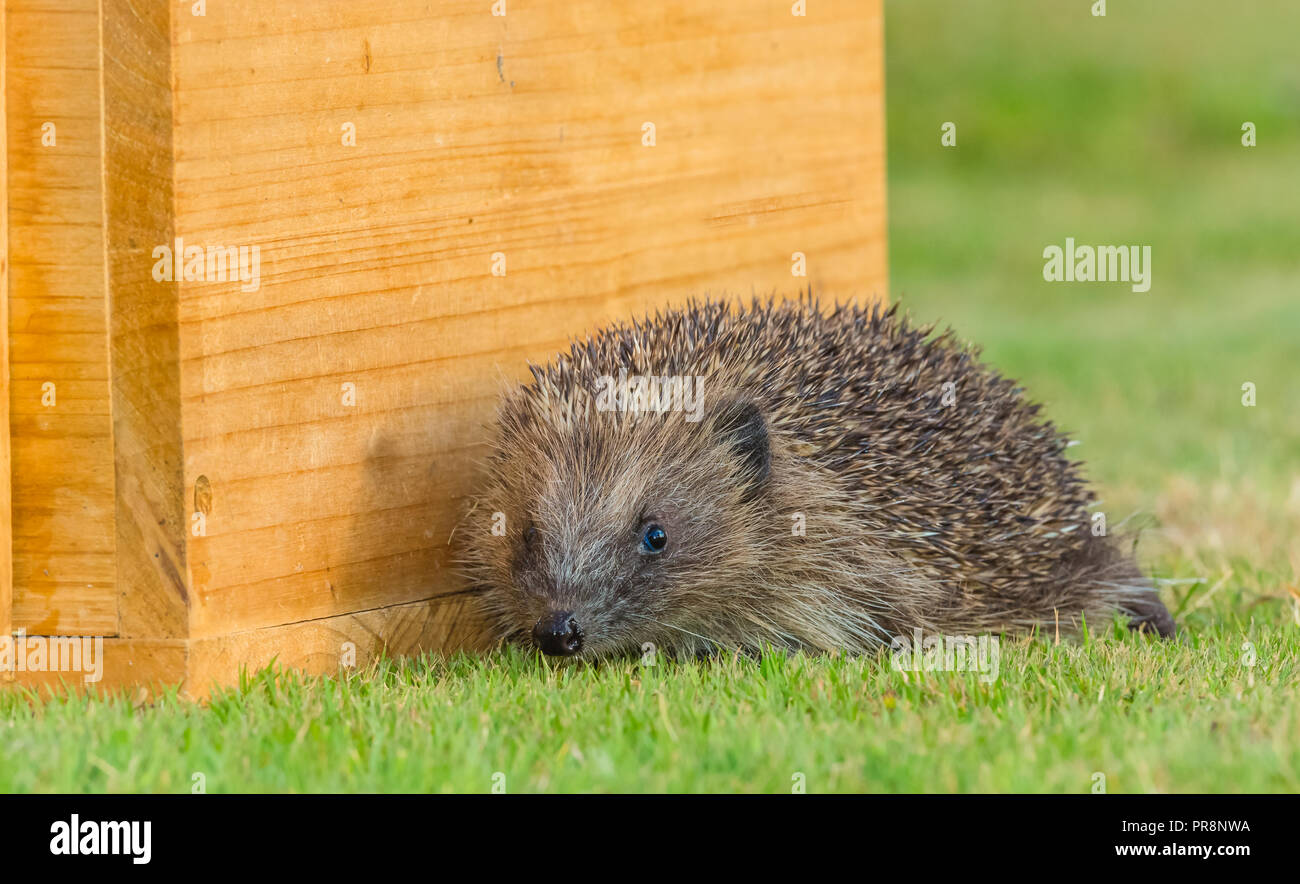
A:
(256, 447)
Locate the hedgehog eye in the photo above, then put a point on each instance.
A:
(654, 540)
(530, 535)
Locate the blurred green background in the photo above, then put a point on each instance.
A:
(1118, 130)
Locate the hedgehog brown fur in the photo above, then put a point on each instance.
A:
(930, 494)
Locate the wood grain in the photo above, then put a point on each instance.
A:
(62, 453)
(6, 467)
(151, 516)
(127, 664)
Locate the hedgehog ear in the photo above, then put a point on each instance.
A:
(740, 425)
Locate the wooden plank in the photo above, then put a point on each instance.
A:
(59, 422)
(315, 647)
(6, 466)
(323, 647)
(474, 135)
(126, 664)
(151, 515)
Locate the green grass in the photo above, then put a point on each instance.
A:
(1118, 130)
(1149, 716)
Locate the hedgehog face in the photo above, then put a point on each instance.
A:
(611, 528)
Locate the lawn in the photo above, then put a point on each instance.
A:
(1190, 716)
(1117, 130)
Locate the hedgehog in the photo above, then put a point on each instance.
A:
(778, 475)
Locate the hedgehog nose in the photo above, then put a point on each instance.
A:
(558, 634)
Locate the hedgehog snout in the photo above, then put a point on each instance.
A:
(558, 634)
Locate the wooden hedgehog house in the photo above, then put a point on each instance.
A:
(268, 264)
